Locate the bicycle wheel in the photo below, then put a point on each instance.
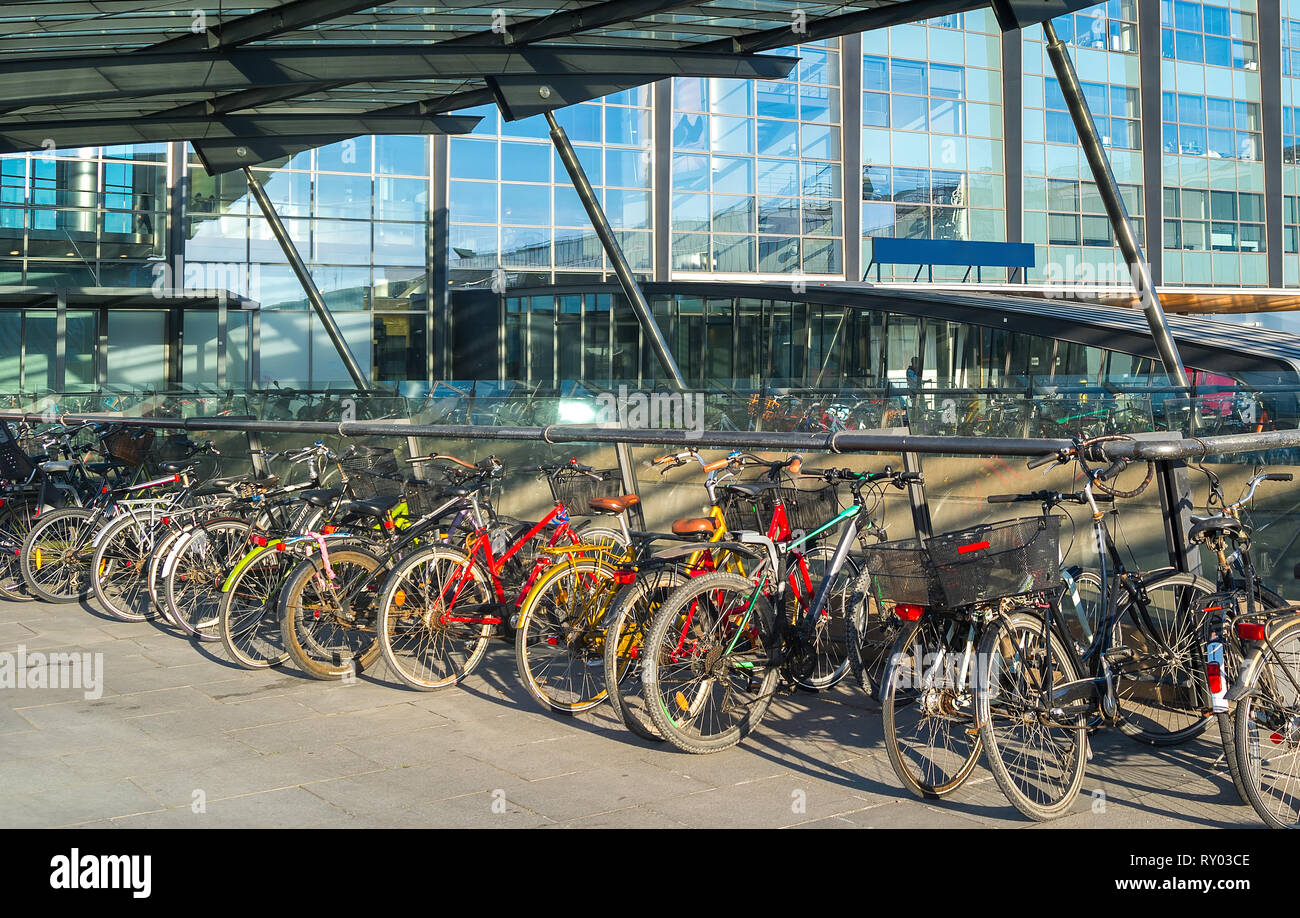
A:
(1038, 760)
(328, 624)
(560, 635)
(629, 616)
(15, 523)
(431, 626)
(57, 552)
(830, 661)
(1161, 685)
(121, 564)
(157, 572)
(708, 663)
(928, 707)
(869, 636)
(249, 615)
(1267, 732)
(194, 576)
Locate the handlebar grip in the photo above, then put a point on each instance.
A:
(1279, 476)
(1006, 498)
(1043, 460)
(911, 476)
(716, 464)
(1110, 471)
(530, 468)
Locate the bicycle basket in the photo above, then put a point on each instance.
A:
(15, 465)
(574, 489)
(996, 560)
(901, 572)
(421, 497)
(129, 445)
(376, 460)
(369, 485)
(804, 510)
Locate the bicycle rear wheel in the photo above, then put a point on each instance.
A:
(830, 661)
(249, 616)
(1267, 732)
(15, 523)
(328, 623)
(928, 707)
(194, 576)
(869, 636)
(57, 552)
(629, 619)
(560, 635)
(708, 663)
(1037, 760)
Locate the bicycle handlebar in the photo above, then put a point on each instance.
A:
(1048, 497)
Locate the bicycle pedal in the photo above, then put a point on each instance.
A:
(1118, 655)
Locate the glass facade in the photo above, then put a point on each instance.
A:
(1290, 141)
(932, 149)
(756, 176)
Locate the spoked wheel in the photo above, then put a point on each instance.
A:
(195, 574)
(15, 523)
(56, 555)
(1037, 759)
(869, 636)
(121, 566)
(708, 665)
(328, 624)
(157, 571)
(629, 619)
(435, 617)
(928, 708)
(830, 660)
(560, 636)
(1161, 682)
(1267, 732)
(249, 615)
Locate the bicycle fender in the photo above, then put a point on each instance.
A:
(245, 561)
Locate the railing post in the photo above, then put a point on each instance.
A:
(1176, 502)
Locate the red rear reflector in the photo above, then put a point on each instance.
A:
(258, 540)
(1215, 676)
(279, 546)
(1276, 738)
(2, 501)
(1214, 608)
(625, 577)
(176, 478)
(908, 612)
(973, 546)
(327, 530)
(104, 490)
(1250, 631)
(388, 524)
(166, 520)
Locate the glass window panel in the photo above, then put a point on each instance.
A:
(627, 168)
(1218, 51)
(628, 209)
(730, 97)
(777, 138)
(581, 122)
(628, 127)
(875, 109)
(731, 135)
(401, 155)
(526, 205)
(875, 183)
(732, 175)
(875, 74)
(401, 199)
(351, 155)
(690, 131)
(691, 212)
(525, 162)
(777, 99)
(473, 202)
(691, 173)
(777, 177)
(908, 76)
(909, 113)
(1189, 47)
(779, 216)
(733, 214)
(343, 196)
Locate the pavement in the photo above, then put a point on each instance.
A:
(180, 737)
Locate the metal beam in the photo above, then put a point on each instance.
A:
(31, 81)
(570, 22)
(263, 24)
(108, 131)
(318, 304)
(1104, 178)
(614, 252)
(834, 26)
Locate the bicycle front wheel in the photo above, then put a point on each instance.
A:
(1266, 726)
(57, 552)
(327, 616)
(928, 707)
(830, 655)
(121, 565)
(194, 576)
(629, 619)
(708, 664)
(1161, 683)
(1037, 759)
(249, 615)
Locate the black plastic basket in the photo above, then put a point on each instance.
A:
(575, 489)
(901, 572)
(15, 465)
(997, 560)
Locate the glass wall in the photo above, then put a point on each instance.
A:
(1290, 142)
(512, 207)
(1213, 149)
(756, 177)
(1064, 217)
(932, 155)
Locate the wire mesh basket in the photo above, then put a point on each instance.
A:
(128, 445)
(376, 460)
(575, 489)
(901, 572)
(997, 560)
(369, 485)
(804, 509)
(421, 497)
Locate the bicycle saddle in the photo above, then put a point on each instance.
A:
(1203, 525)
(753, 488)
(58, 465)
(175, 467)
(376, 507)
(321, 497)
(694, 526)
(613, 505)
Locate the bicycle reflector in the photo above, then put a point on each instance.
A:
(1251, 631)
(625, 577)
(973, 546)
(399, 598)
(280, 546)
(909, 612)
(327, 530)
(1215, 676)
(258, 540)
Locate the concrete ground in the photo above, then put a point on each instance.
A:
(180, 737)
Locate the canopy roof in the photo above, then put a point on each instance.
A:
(257, 81)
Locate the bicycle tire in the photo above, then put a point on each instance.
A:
(1145, 714)
(560, 635)
(249, 624)
(426, 654)
(869, 636)
(57, 553)
(328, 625)
(736, 657)
(1265, 721)
(830, 640)
(1040, 775)
(15, 523)
(120, 565)
(157, 568)
(629, 620)
(926, 770)
(203, 558)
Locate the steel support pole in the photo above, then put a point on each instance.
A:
(304, 277)
(1139, 270)
(607, 240)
